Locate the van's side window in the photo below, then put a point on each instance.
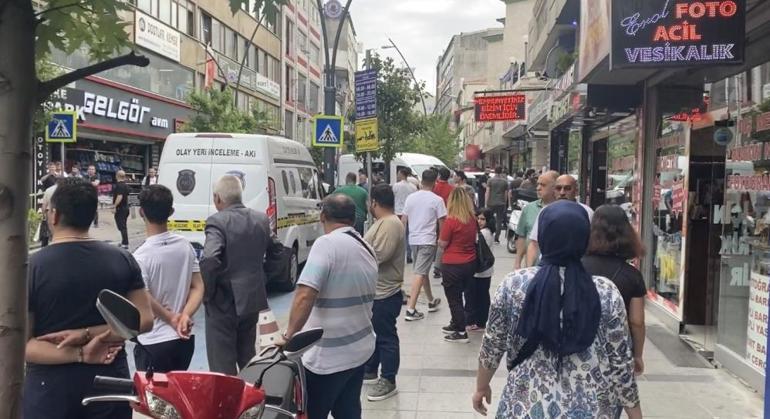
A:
(308, 183)
(293, 182)
(285, 182)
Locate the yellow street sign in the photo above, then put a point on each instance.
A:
(367, 135)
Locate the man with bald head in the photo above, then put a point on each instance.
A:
(566, 188)
(335, 292)
(529, 214)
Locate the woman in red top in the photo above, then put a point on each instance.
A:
(458, 264)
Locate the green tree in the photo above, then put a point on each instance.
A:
(396, 97)
(214, 111)
(436, 138)
(29, 30)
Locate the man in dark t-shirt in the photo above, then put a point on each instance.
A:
(120, 201)
(93, 177)
(69, 344)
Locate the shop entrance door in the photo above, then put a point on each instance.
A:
(597, 164)
(706, 182)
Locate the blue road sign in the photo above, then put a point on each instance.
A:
(327, 131)
(366, 94)
(63, 127)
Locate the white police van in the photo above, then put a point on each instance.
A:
(278, 175)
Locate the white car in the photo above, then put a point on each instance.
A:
(279, 178)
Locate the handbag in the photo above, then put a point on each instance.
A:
(484, 257)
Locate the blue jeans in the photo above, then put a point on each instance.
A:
(386, 350)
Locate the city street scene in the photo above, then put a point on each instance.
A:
(245, 209)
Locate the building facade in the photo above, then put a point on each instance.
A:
(349, 60)
(126, 113)
(484, 61)
(303, 62)
(683, 149)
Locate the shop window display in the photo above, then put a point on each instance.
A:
(109, 157)
(745, 249)
(670, 189)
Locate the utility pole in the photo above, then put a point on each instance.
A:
(330, 86)
(408, 67)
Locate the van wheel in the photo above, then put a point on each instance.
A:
(293, 275)
(511, 242)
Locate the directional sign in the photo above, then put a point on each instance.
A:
(327, 131)
(367, 135)
(366, 94)
(63, 127)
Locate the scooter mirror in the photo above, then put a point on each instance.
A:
(119, 313)
(301, 342)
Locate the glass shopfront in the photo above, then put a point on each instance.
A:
(668, 211)
(745, 246)
(622, 167)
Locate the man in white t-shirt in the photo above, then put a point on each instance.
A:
(402, 189)
(335, 292)
(171, 275)
(566, 189)
(424, 211)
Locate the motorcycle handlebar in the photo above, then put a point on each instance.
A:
(113, 385)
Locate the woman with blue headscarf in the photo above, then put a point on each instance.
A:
(564, 332)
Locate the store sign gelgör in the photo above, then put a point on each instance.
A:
(659, 33)
(97, 104)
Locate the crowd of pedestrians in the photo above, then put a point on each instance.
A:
(573, 303)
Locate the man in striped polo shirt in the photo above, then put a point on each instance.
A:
(335, 292)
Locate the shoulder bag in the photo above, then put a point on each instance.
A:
(484, 257)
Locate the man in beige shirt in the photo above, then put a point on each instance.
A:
(386, 236)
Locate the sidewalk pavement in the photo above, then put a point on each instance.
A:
(437, 379)
(109, 233)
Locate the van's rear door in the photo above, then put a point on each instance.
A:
(185, 168)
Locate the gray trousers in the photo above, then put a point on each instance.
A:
(230, 339)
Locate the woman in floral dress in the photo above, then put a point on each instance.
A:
(564, 332)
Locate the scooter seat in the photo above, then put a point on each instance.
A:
(278, 381)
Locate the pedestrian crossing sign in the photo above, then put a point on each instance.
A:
(63, 127)
(327, 131)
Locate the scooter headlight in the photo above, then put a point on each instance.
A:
(160, 408)
(254, 412)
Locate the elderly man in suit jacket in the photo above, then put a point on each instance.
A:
(232, 269)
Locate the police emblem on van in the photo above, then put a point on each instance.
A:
(185, 182)
(240, 175)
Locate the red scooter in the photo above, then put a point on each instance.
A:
(205, 395)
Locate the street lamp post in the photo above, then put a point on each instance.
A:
(408, 67)
(330, 85)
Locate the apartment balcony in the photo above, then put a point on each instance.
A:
(554, 23)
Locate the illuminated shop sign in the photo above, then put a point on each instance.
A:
(655, 33)
(501, 108)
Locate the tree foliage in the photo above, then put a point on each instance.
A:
(214, 111)
(396, 97)
(436, 138)
(67, 25)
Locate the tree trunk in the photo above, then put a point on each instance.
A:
(18, 88)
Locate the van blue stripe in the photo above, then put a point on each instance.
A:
(343, 302)
(346, 340)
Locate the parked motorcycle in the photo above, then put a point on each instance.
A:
(200, 395)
